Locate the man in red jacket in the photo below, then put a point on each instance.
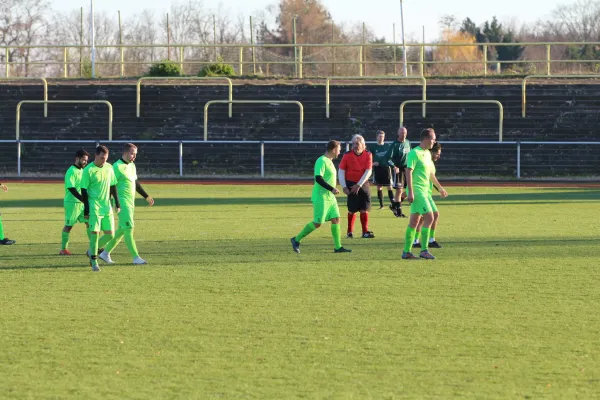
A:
(355, 170)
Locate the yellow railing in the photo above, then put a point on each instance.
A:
(297, 57)
(524, 87)
(422, 79)
(187, 78)
(44, 83)
(45, 102)
(496, 102)
(300, 106)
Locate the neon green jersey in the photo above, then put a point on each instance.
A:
(324, 167)
(126, 175)
(97, 181)
(419, 160)
(73, 180)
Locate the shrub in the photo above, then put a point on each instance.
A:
(217, 69)
(164, 68)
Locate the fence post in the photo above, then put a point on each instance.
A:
(300, 62)
(547, 59)
(518, 160)
(241, 64)
(360, 61)
(18, 158)
(485, 59)
(422, 61)
(122, 62)
(6, 58)
(65, 62)
(181, 72)
(180, 158)
(262, 159)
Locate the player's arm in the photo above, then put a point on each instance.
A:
(342, 175)
(76, 194)
(389, 155)
(365, 176)
(3, 186)
(438, 185)
(114, 194)
(319, 179)
(409, 184)
(142, 192)
(86, 202)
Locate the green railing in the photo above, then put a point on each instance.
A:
(524, 86)
(138, 87)
(300, 106)
(318, 58)
(496, 102)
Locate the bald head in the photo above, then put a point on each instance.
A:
(402, 133)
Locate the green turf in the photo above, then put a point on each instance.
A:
(225, 309)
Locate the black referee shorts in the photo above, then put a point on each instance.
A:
(361, 200)
(400, 178)
(383, 175)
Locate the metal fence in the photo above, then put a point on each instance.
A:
(295, 160)
(354, 59)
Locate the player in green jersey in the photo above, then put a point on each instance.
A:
(436, 153)
(98, 184)
(4, 240)
(325, 207)
(381, 169)
(127, 185)
(73, 201)
(396, 156)
(419, 176)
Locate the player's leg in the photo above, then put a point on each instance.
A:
(3, 239)
(95, 226)
(436, 217)
(417, 242)
(107, 225)
(319, 214)
(380, 196)
(73, 215)
(364, 195)
(409, 235)
(352, 203)
(428, 209)
(333, 215)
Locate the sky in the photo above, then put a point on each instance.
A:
(380, 15)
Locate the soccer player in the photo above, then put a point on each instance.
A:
(127, 185)
(4, 240)
(419, 175)
(381, 168)
(325, 207)
(98, 184)
(73, 202)
(355, 170)
(436, 153)
(396, 156)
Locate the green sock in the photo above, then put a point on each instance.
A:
(424, 238)
(409, 238)
(94, 248)
(130, 242)
(432, 234)
(308, 228)
(110, 246)
(105, 239)
(88, 232)
(65, 240)
(1, 230)
(336, 232)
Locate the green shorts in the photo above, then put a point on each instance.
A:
(422, 204)
(73, 213)
(126, 218)
(325, 211)
(102, 223)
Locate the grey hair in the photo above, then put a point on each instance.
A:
(358, 137)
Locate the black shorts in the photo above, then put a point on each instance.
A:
(361, 200)
(400, 178)
(383, 175)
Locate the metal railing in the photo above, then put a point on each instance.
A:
(44, 83)
(422, 79)
(300, 107)
(298, 59)
(524, 87)
(262, 149)
(496, 102)
(138, 88)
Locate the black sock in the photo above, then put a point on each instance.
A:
(391, 196)
(380, 197)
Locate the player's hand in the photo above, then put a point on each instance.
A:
(410, 198)
(355, 189)
(376, 164)
(396, 169)
(443, 193)
(86, 217)
(346, 191)
(150, 201)
(118, 210)
(335, 191)
(3, 186)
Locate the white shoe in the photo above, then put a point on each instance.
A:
(104, 256)
(139, 260)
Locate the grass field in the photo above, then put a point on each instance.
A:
(225, 309)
